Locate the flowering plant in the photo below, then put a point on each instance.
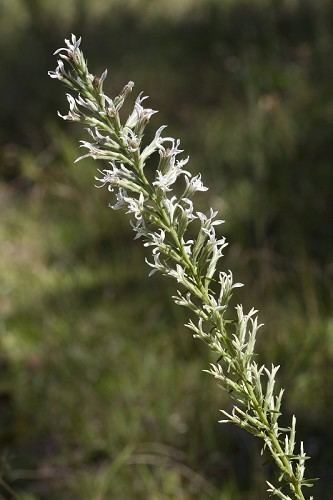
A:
(162, 217)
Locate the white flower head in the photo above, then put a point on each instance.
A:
(121, 197)
(72, 44)
(139, 227)
(155, 239)
(157, 265)
(59, 72)
(135, 206)
(165, 180)
(74, 113)
(193, 185)
(131, 139)
(178, 273)
(140, 116)
(108, 177)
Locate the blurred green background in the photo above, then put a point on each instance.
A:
(101, 390)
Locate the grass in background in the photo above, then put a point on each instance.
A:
(94, 408)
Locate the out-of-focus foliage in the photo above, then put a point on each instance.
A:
(101, 391)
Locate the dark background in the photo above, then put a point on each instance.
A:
(101, 390)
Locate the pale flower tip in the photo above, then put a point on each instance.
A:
(80, 158)
(103, 76)
(238, 285)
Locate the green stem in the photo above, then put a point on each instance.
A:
(279, 456)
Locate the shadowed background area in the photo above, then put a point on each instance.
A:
(102, 393)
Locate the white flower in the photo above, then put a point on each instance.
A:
(59, 72)
(140, 116)
(178, 273)
(171, 206)
(102, 140)
(182, 300)
(72, 45)
(115, 175)
(157, 264)
(96, 152)
(108, 177)
(226, 285)
(153, 146)
(87, 103)
(139, 227)
(167, 179)
(121, 197)
(188, 208)
(131, 139)
(208, 221)
(188, 246)
(156, 240)
(135, 206)
(172, 151)
(193, 185)
(116, 104)
(197, 329)
(74, 113)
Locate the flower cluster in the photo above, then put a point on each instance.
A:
(187, 246)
